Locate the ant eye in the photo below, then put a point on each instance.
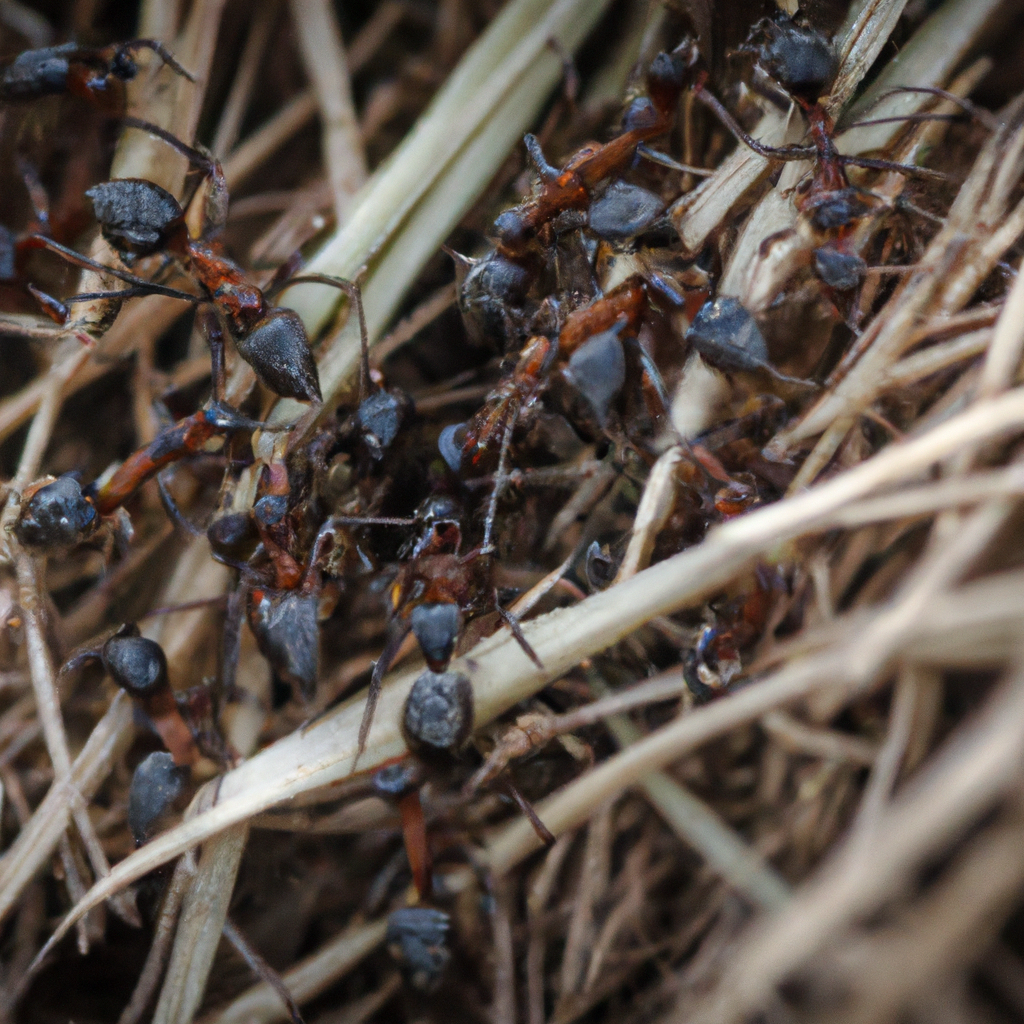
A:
(287, 633)
(436, 628)
(438, 715)
(123, 66)
(137, 664)
(511, 230)
(598, 369)
(449, 444)
(417, 938)
(727, 336)
(57, 515)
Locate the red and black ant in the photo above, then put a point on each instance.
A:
(96, 74)
(494, 290)
(802, 63)
(138, 219)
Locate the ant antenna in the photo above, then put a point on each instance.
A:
(78, 260)
(536, 155)
(160, 50)
(354, 291)
(500, 479)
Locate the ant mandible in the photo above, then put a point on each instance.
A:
(96, 74)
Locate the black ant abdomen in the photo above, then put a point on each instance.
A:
(286, 628)
(380, 417)
(624, 211)
(438, 715)
(56, 515)
(278, 350)
(727, 336)
(156, 784)
(598, 370)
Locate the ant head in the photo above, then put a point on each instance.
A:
(278, 350)
(438, 715)
(417, 938)
(436, 628)
(233, 538)
(287, 633)
(512, 232)
(156, 784)
(122, 65)
(493, 293)
(624, 211)
(56, 515)
(800, 59)
(137, 664)
(830, 211)
(840, 270)
(138, 217)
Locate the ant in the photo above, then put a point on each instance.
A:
(138, 219)
(61, 513)
(494, 290)
(96, 74)
(802, 63)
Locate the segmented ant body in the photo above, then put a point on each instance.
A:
(495, 292)
(62, 513)
(96, 74)
(801, 62)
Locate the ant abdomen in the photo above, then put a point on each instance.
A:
(287, 632)
(278, 350)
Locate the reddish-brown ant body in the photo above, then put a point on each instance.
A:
(96, 74)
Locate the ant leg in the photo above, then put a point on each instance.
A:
(536, 155)
(891, 165)
(36, 193)
(397, 633)
(673, 165)
(978, 113)
(210, 325)
(769, 152)
(262, 970)
(161, 51)
(500, 479)
(544, 834)
(173, 512)
(216, 212)
(512, 622)
(354, 292)
(76, 259)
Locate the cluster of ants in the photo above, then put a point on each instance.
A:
(577, 336)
